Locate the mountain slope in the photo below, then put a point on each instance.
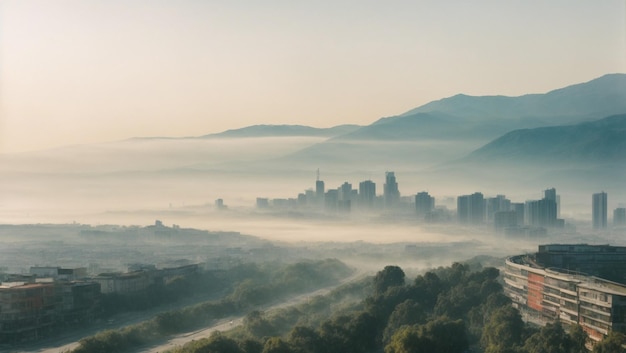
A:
(487, 117)
(284, 130)
(602, 140)
(597, 98)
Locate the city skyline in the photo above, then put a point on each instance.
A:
(84, 72)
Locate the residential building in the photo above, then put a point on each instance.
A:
(367, 194)
(471, 208)
(424, 204)
(28, 310)
(619, 217)
(544, 291)
(599, 210)
(391, 193)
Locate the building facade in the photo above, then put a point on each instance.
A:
(599, 210)
(471, 208)
(424, 204)
(544, 293)
(391, 193)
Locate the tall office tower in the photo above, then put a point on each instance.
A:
(619, 216)
(331, 199)
(497, 204)
(344, 197)
(367, 193)
(471, 208)
(424, 203)
(599, 210)
(541, 213)
(518, 207)
(550, 194)
(391, 193)
(319, 189)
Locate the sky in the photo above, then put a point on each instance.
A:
(89, 71)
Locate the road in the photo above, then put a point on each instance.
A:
(232, 322)
(70, 340)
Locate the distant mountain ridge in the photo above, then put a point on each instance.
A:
(285, 130)
(597, 98)
(463, 116)
(602, 140)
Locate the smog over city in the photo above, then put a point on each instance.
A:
(259, 177)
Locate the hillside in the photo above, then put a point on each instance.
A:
(602, 140)
(464, 116)
(284, 130)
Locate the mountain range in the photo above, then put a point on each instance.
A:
(285, 130)
(598, 140)
(578, 123)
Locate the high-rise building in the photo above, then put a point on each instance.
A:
(619, 217)
(496, 204)
(544, 212)
(541, 213)
(599, 210)
(550, 194)
(331, 199)
(367, 193)
(424, 203)
(504, 219)
(391, 193)
(518, 207)
(345, 197)
(471, 208)
(319, 189)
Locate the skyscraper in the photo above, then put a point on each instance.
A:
(619, 216)
(319, 190)
(367, 193)
(345, 197)
(541, 213)
(550, 194)
(391, 193)
(599, 210)
(471, 208)
(424, 203)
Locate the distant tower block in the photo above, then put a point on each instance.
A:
(319, 189)
(424, 203)
(367, 193)
(599, 210)
(391, 194)
(619, 217)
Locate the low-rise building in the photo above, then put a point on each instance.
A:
(28, 310)
(123, 283)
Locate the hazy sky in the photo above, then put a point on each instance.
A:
(89, 71)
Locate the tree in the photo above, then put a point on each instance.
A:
(441, 335)
(408, 312)
(613, 343)
(408, 339)
(390, 276)
(503, 329)
(579, 339)
(550, 339)
(276, 345)
(305, 339)
(256, 324)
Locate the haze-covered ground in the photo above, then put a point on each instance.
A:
(95, 183)
(136, 182)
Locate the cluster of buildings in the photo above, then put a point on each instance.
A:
(344, 198)
(532, 217)
(35, 304)
(575, 284)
